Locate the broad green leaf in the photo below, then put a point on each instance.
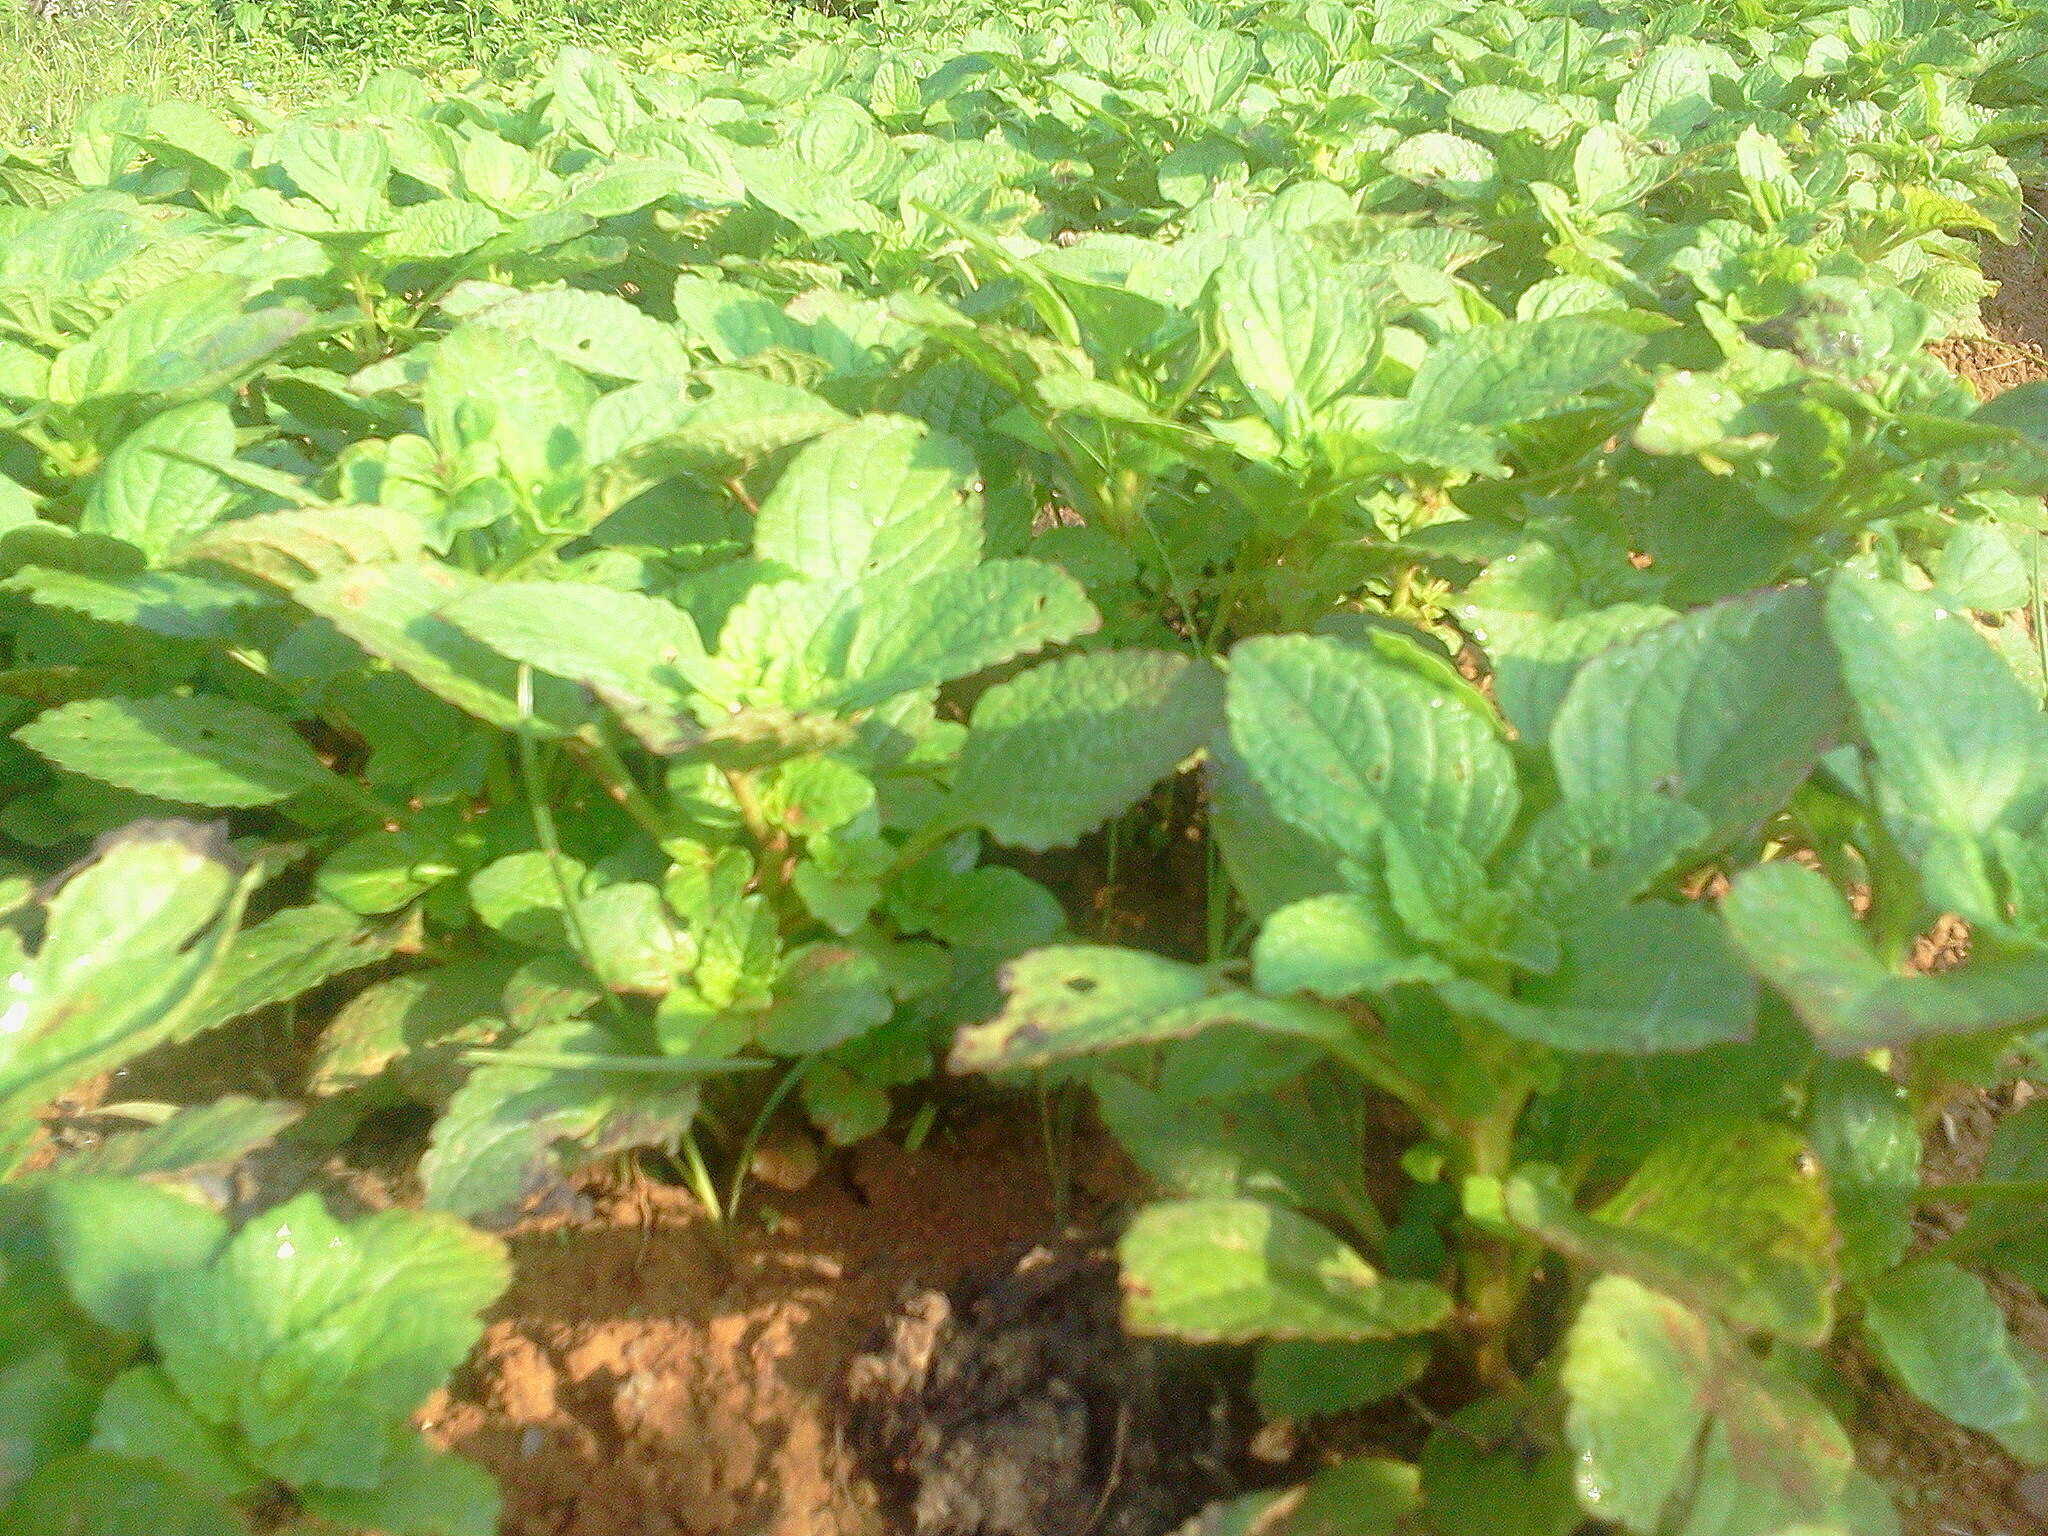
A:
(1861, 1125)
(1495, 1468)
(1727, 1214)
(290, 951)
(2013, 1229)
(1959, 746)
(1296, 1378)
(1495, 375)
(493, 391)
(413, 1026)
(1055, 752)
(954, 623)
(825, 995)
(115, 1238)
(1270, 862)
(1457, 165)
(512, 1133)
(1652, 976)
(1228, 1271)
(1292, 1142)
(1343, 740)
(1366, 1496)
(713, 419)
(130, 941)
(200, 750)
(46, 1403)
(179, 341)
(205, 1138)
(103, 139)
(153, 500)
(1669, 92)
(882, 501)
(423, 1493)
(636, 653)
(170, 603)
(600, 333)
(1076, 1000)
(525, 896)
(395, 611)
(94, 1494)
(1535, 660)
(344, 170)
(1600, 852)
(1940, 1332)
(633, 943)
(1981, 568)
(590, 96)
(1337, 945)
(316, 1340)
(1668, 1412)
(1726, 709)
(289, 549)
(1798, 934)
(1301, 328)
(142, 1418)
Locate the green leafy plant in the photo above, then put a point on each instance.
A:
(629, 550)
(158, 1364)
(1640, 1196)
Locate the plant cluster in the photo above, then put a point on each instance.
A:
(632, 558)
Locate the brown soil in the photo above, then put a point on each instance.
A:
(2014, 348)
(641, 1380)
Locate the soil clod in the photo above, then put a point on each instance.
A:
(1015, 1405)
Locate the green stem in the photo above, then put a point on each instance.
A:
(771, 846)
(546, 833)
(602, 761)
(702, 1185)
(790, 1079)
(1494, 1275)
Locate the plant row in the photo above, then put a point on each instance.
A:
(630, 565)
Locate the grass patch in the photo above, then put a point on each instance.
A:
(155, 49)
(289, 53)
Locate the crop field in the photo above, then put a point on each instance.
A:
(1052, 770)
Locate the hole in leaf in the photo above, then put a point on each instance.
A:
(1081, 984)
